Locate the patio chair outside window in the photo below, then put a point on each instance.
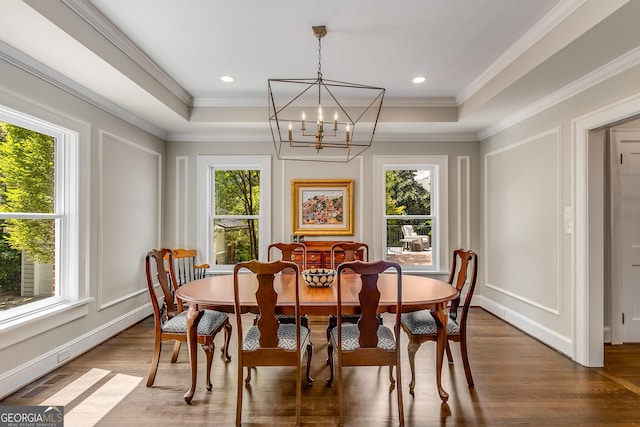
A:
(418, 242)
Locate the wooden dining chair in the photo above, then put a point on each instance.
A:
(366, 343)
(170, 318)
(185, 265)
(421, 326)
(346, 252)
(294, 252)
(269, 342)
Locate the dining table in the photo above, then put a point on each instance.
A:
(217, 293)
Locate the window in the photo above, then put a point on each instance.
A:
(413, 211)
(38, 249)
(234, 215)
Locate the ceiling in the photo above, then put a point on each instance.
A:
(159, 63)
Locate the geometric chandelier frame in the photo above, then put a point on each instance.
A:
(322, 120)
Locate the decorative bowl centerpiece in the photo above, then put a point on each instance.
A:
(319, 277)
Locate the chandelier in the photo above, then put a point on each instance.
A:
(322, 120)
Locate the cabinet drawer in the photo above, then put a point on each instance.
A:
(296, 257)
(315, 260)
(340, 256)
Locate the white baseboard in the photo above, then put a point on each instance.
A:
(551, 338)
(30, 371)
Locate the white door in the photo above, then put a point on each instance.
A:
(626, 201)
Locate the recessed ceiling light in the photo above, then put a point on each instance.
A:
(418, 80)
(227, 79)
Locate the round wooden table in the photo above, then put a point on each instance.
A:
(216, 293)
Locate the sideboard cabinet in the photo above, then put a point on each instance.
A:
(319, 254)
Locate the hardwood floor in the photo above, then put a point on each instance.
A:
(519, 381)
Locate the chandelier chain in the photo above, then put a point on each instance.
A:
(320, 57)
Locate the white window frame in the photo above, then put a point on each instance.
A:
(70, 301)
(439, 205)
(206, 168)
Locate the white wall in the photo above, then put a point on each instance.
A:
(463, 187)
(120, 192)
(138, 192)
(531, 271)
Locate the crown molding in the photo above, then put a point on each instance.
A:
(559, 13)
(619, 65)
(260, 132)
(24, 62)
(259, 101)
(89, 13)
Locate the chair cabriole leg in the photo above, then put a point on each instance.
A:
(154, 363)
(209, 349)
(227, 339)
(412, 349)
(176, 352)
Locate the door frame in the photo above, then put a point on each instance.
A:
(618, 245)
(588, 137)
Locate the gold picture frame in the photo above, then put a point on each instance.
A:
(322, 207)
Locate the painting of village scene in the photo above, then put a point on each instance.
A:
(322, 207)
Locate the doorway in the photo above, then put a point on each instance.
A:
(625, 233)
(588, 239)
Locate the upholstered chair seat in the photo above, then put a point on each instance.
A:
(210, 321)
(422, 323)
(351, 337)
(286, 337)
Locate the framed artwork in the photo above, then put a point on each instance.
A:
(322, 206)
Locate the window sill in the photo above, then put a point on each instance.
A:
(417, 271)
(37, 322)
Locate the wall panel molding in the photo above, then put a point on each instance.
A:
(515, 178)
(464, 202)
(557, 341)
(182, 195)
(130, 177)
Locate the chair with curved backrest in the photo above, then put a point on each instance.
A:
(269, 342)
(289, 252)
(346, 252)
(185, 267)
(171, 318)
(421, 327)
(366, 343)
